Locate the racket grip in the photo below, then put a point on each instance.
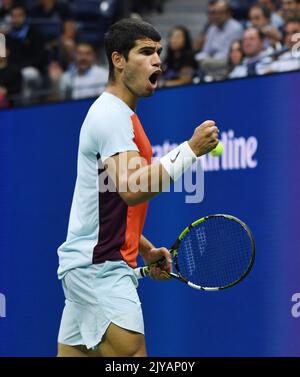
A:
(141, 272)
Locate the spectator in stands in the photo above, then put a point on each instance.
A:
(260, 18)
(236, 55)
(222, 70)
(10, 81)
(290, 9)
(5, 7)
(180, 65)
(289, 59)
(24, 41)
(276, 19)
(221, 34)
(85, 79)
(256, 58)
(26, 50)
(292, 32)
(52, 10)
(211, 14)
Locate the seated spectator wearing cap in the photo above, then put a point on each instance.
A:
(221, 34)
(84, 79)
(256, 58)
(26, 49)
(276, 19)
(289, 59)
(180, 66)
(10, 82)
(260, 18)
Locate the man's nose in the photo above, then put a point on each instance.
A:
(156, 61)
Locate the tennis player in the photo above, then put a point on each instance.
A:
(102, 314)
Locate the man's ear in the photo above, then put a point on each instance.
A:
(118, 60)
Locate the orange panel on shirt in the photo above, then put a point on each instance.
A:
(136, 215)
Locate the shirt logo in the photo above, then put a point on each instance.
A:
(175, 158)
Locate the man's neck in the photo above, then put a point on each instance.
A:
(122, 92)
(221, 26)
(83, 71)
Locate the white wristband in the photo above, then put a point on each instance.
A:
(178, 160)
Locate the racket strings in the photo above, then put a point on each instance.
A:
(215, 253)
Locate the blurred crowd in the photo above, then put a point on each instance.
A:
(54, 49)
(241, 38)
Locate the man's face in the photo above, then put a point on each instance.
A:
(291, 29)
(289, 8)
(221, 13)
(211, 14)
(18, 17)
(85, 57)
(142, 68)
(252, 44)
(257, 18)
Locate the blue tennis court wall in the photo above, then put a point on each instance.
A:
(260, 316)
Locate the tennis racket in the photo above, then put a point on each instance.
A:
(213, 253)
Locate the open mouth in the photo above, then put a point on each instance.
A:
(154, 77)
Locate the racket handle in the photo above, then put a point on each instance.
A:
(141, 272)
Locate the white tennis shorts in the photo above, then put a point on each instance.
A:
(96, 296)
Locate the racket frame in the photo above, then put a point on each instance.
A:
(144, 271)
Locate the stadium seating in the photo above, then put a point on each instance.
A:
(48, 29)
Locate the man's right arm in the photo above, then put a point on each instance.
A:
(137, 182)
